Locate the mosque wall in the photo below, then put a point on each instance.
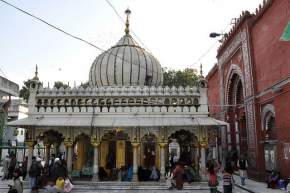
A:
(254, 54)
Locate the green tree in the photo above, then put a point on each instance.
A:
(59, 84)
(85, 84)
(24, 91)
(186, 77)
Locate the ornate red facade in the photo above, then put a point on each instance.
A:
(250, 88)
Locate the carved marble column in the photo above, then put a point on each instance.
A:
(202, 172)
(135, 164)
(30, 144)
(162, 161)
(69, 144)
(47, 152)
(95, 143)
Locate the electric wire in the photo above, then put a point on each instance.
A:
(210, 48)
(93, 45)
(71, 35)
(2, 71)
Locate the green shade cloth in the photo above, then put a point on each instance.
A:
(286, 33)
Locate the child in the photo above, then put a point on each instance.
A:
(59, 183)
(67, 186)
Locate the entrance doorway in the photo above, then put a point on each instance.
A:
(116, 153)
(83, 156)
(149, 150)
(188, 144)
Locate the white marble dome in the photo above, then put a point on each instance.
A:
(126, 64)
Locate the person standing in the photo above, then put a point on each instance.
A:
(12, 165)
(17, 183)
(213, 181)
(242, 164)
(34, 172)
(24, 167)
(5, 168)
(178, 174)
(51, 166)
(228, 180)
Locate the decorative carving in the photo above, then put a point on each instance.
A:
(30, 143)
(68, 142)
(162, 145)
(135, 144)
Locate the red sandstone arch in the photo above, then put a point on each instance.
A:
(235, 93)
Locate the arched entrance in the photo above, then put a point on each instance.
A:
(149, 150)
(270, 137)
(237, 136)
(51, 140)
(188, 144)
(83, 155)
(116, 152)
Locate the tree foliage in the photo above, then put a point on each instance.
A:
(24, 91)
(186, 77)
(85, 84)
(59, 84)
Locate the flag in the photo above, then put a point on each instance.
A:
(286, 33)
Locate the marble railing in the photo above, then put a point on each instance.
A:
(119, 91)
(112, 109)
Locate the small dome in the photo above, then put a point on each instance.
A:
(126, 64)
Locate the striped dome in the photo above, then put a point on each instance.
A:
(126, 64)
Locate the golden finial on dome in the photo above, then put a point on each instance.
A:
(127, 12)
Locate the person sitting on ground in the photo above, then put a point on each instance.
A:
(59, 183)
(68, 186)
(273, 180)
(130, 173)
(283, 183)
(123, 173)
(178, 174)
(34, 190)
(17, 183)
(102, 174)
(154, 174)
(140, 174)
(49, 187)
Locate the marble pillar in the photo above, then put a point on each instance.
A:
(96, 145)
(202, 168)
(135, 164)
(162, 161)
(47, 153)
(30, 144)
(69, 145)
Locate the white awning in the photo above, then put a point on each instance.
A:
(116, 121)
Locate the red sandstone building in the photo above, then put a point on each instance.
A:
(250, 88)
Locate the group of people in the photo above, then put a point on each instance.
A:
(126, 174)
(51, 177)
(214, 168)
(9, 164)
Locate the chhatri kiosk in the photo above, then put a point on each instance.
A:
(125, 117)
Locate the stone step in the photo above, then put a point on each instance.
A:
(88, 185)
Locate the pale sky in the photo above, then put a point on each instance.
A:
(176, 32)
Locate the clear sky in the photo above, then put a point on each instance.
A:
(175, 31)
